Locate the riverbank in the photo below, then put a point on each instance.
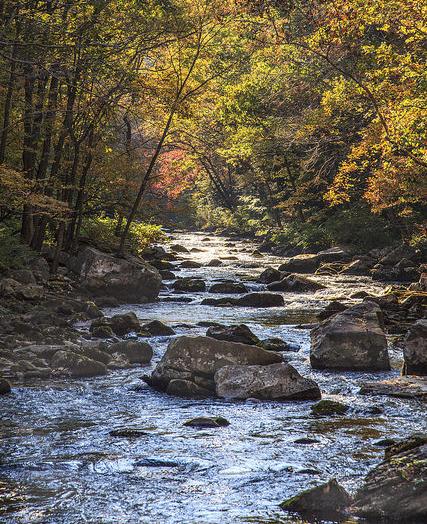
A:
(57, 430)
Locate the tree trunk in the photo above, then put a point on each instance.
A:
(8, 101)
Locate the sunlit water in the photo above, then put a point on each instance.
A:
(59, 464)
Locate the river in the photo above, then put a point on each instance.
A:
(59, 465)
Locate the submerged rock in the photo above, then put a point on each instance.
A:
(189, 364)
(329, 407)
(274, 382)
(352, 340)
(326, 500)
(396, 489)
(207, 422)
(240, 333)
(128, 433)
(415, 349)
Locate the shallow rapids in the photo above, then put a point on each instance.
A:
(59, 465)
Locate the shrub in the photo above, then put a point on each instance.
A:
(13, 253)
(101, 231)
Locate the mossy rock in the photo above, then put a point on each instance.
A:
(207, 422)
(329, 407)
(323, 500)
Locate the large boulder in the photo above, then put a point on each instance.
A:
(192, 361)
(415, 349)
(352, 340)
(128, 280)
(77, 365)
(239, 333)
(301, 264)
(326, 501)
(296, 284)
(273, 382)
(396, 489)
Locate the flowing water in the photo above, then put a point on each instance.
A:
(58, 463)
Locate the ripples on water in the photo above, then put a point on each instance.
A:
(60, 465)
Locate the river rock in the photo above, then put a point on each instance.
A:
(228, 287)
(190, 363)
(415, 349)
(410, 387)
(333, 254)
(77, 366)
(189, 284)
(190, 264)
(396, 489)
(124, 323)
(326, 500)
(360, 266)
(215, 262)
(128, 280)
(239, 333)
(301, 264)
(135, 351)
(295, 283)
(13, 289)
(178, 248)
(166, 274)
(392, 258)
(274, 382)
(23, 276)
(260, 300)
(352, 340)
(329, 407)
(331, 309)
(277, 344)
(5, 386)
(269, 275)
(156, 328)
(207, 422)
(101, 331)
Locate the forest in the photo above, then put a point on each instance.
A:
(231, 194)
